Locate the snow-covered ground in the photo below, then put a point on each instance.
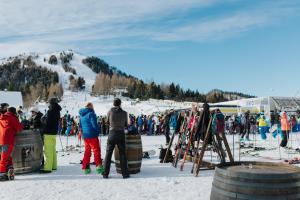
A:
(73, 101)
(156, 181)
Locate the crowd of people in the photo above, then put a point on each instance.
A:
(278, 123)
(88, 126)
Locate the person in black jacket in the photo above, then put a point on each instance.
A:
(166, 127)
(51, 121)
(118, 122)
(203, 124)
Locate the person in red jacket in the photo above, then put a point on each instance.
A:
(9, 126)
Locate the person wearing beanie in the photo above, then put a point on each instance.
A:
(90, 133)
(9, 127)
(118, 122)
(35, 120)
(50, 129)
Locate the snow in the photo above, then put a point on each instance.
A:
(156, 181)
(73, 101)
(81, 69)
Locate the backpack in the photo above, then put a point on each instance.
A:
(162, 155)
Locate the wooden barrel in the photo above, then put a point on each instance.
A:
(134, 153)
(28, 152)
(256, 180)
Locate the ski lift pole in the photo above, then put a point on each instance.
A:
(233, 146)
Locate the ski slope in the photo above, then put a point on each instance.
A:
(73, 101)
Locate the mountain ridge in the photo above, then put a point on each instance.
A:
(75, 71)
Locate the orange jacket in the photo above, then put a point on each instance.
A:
(9, 126)
(285, 124)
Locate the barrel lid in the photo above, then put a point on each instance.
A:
(258, 169)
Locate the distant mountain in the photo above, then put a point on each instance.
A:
(45, 75)
(217, 95)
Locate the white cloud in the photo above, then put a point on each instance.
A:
(107, 26)
(16, 48)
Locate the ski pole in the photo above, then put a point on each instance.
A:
(233, 147)
(239, 148)
(279, 147)
(61, 145)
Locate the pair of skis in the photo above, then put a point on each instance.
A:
(181, 140)
(190, 139)
(170, 146)
(198, 158)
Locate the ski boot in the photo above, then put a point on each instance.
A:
(10, 174)
(87, 171)
(100, 169)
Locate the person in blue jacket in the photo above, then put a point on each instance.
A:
(90, 132)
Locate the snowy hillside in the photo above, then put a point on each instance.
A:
(73, 101)
(76, 63)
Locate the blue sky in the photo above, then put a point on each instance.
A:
(235, 45)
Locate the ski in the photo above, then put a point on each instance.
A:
(181, 139)
(197, 148)
(190, 139)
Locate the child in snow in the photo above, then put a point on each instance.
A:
(9, 126)
(90, 133)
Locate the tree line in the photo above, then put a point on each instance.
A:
(109, 78)
(33, 81)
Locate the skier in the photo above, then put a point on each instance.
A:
(231, 125)
(51, 122)
(140, 124)
(285, 127)
(166, 127)
(203, 124)
(253, 125)
(245, 124)
(90, 133)
(262, 126)
(218, 123)
(150, 125)
(156, 124)
(118, 121)
(173, 123)
(9, 126)
(294, 124)
(69, 125)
